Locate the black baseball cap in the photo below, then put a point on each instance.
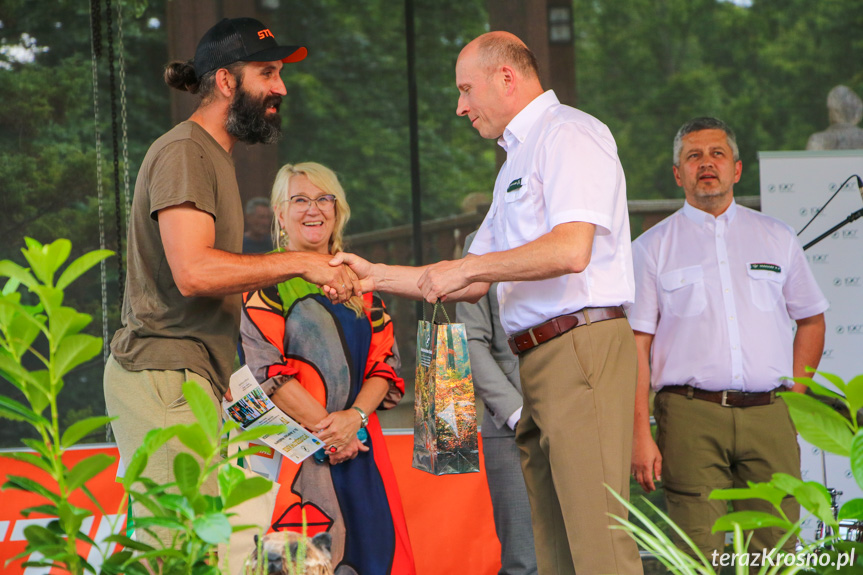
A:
(241, 40)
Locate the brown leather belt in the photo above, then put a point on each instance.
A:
(727, 398)
(528, 339)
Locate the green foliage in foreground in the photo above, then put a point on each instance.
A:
(823, 427)
(196, 522)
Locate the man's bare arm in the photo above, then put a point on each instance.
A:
(189, 236)
(565, 249)
(808, 347)
(646, 459)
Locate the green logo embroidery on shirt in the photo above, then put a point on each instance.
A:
(514, 185)
(767, 267)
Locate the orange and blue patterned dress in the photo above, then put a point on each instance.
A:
(293, 329)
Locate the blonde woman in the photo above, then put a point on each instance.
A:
(330, 367)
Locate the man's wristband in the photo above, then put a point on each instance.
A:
(362, 413)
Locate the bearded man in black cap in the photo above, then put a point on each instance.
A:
(181, 314)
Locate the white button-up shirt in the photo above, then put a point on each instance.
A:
(561, 166)
(719, 295)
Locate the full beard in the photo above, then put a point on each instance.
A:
(249, 122)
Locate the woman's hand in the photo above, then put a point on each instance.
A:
(350, 451)
(339, 429)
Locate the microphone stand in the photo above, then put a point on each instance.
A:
(852, 217)
(820, 529)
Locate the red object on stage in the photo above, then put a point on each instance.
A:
(449, 518)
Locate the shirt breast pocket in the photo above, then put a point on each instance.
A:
(521, 215)
(683, 290)
(765, 287)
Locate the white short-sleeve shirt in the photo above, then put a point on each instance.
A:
(561, 166)
(719, 295)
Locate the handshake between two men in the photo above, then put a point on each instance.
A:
(441, 281)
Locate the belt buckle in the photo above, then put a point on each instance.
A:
(724, 402)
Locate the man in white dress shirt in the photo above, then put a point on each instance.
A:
(557, 239)
(719, 287)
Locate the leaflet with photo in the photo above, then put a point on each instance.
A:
(251, 408)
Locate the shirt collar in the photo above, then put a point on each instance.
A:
(699, 216)
(519, 127)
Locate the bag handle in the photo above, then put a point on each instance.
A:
(437, 305)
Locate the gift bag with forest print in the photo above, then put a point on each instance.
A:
(445, 434)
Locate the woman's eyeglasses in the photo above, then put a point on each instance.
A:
(301, 203)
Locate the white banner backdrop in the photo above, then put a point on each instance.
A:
(794, 186)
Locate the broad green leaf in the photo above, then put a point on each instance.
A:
(39, 535)
(81, 429)
(149, 501)
(10, 306)
(816, 387)
(256, 433)
(814, 498)
(229, 425)
(40, 383)
(11, 409)
(30, 486)
(39, 447)
(248, 489)
(252, 450)
(51, 298)
(87, 469)
(75, 350)
(229, 476)
(11, 286)
(156, 438)
(71, 517)
(66, 321)
(202, 406)
(186, 472)
(12, 371)
(834, 379)
(785, 482)
(134, 468)
(854, 391)
(29, 458)
(857, 457)
(213, 528)
(750, 520)
(819, 424)
(194, 437)
(852, 509)
(116, 564)
(177, 503)
(206, 504)
(24, 329)
(45, 260)
(128, 543)
(763, 491)
(20, 274)
(46, 509)
(81, 265)
(153, 521)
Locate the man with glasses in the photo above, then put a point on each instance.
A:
(181, 313)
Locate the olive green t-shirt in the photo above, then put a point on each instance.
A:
(162, 329)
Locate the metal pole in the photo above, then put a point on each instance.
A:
(416, 196)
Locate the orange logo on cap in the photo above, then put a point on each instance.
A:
(264, 33)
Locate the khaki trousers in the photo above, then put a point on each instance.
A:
(145, 400)
(706, 446)
(575, 437)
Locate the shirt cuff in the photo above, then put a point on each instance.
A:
(513, 419)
